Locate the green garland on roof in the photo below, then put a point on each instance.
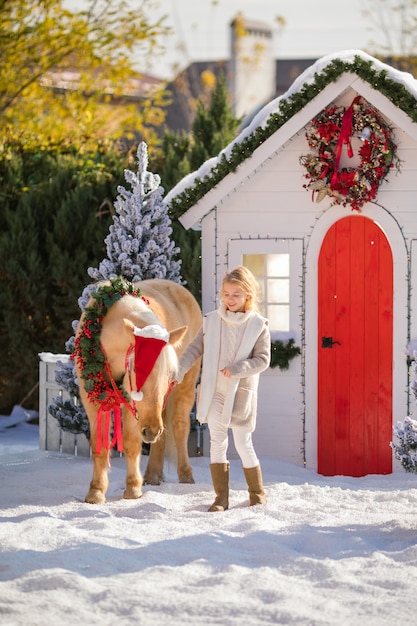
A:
(379, 80)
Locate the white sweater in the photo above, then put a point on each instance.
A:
(241, 342)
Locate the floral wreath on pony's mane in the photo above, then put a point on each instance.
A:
(326, 135)
(87, 351)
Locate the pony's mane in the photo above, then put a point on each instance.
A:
(140, 310)
(167, 365)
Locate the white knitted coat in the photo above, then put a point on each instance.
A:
(252, 356)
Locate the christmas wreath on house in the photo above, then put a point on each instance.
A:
(326, 136)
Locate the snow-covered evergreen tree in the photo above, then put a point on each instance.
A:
(406, 432)
(138, 244)
(138, 247)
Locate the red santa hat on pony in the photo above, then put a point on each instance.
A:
(149, 342)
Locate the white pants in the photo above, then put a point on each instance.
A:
(219, 435)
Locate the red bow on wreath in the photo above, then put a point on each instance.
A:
(345, 138)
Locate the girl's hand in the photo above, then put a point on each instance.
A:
(225, 372)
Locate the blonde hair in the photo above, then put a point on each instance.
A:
(243, 277)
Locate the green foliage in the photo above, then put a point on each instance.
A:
(241, 151)
(282, 352)
(189, 243)
(172, 160)
(52, 228)
(62, 69)
(214, 127)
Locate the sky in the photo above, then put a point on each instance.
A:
(322, 551)
(313, 28)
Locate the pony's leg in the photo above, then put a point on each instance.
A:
(132, 445)
(182, 404)
(181, 428)
(154, 474)
(100, 482)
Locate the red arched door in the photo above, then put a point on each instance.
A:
(355, 312)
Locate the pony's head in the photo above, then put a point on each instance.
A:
(153, 365)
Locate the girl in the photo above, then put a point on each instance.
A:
(235, 344)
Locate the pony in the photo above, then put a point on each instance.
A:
(159, 412)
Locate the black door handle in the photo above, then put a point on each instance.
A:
(327, 342)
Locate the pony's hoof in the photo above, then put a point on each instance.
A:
(153, 479)
(132, 493)
(95, 496)
(186, 478)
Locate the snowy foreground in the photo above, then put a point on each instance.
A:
(336, 551)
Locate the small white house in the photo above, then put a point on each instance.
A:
(338, 275)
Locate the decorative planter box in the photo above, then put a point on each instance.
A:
(51, 436)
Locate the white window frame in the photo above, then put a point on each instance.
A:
(294, 247)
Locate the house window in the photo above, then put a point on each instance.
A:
(272, 272)
(278, 266)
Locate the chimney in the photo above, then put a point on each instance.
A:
(251, 75)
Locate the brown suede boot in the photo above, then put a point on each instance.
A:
(253, 477)
(220, 478)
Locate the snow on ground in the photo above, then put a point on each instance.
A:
(322, 551)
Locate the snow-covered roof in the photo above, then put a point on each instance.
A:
(405, 79)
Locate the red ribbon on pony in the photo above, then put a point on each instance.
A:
(112, 403)
(106, 408)
(345, 138)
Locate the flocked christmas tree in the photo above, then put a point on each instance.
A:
(138, 247)
(405, 449)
